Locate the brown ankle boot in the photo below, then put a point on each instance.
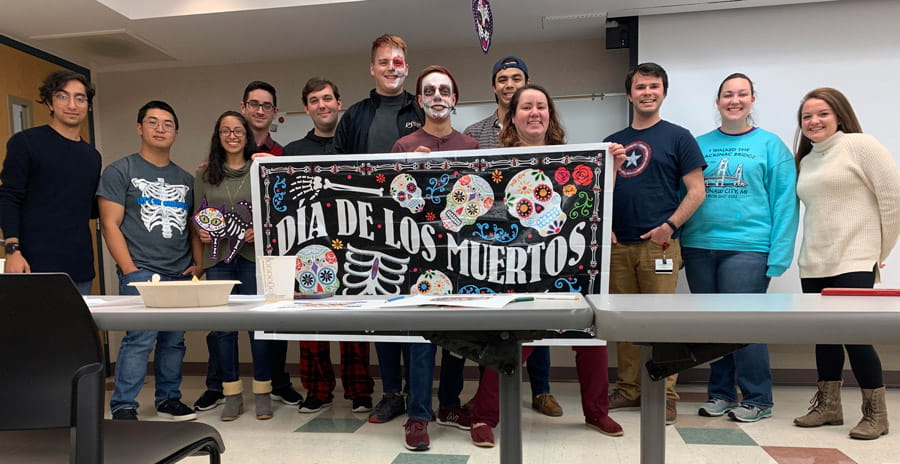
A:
(826, 406)
(874, 422)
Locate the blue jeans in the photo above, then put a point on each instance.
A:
(421, 375)
(717, 271)
(131, 363)
(84, 288)
(224, 360)
(539, 370)
(389, 355)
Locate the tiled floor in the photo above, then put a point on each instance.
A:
(337, 435)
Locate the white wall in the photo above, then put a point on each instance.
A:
(787, 51)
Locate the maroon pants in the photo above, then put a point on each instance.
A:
(591, 363)
(317, 373)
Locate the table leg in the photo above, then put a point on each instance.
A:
(653, 413)
(511, 413)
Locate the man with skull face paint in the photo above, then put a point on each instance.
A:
(372, 126)
(437, 93)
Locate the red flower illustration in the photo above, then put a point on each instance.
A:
(562, 175)
(582, 175)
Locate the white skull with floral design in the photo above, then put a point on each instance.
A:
(317, 270)
(406, 191)
(470, 198)
(531, 199)
(432, 282)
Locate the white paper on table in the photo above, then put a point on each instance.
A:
(467, 301)
(93, 301)
(302, 305)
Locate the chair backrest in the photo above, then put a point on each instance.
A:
(49, 345)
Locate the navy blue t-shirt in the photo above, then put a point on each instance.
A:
(648, 185)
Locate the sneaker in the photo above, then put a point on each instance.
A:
(547, 405)
(209, 400)
(605, 425)
(312, 405)
(416, 432)
(671, 411)
(455, 417)
(388, 408)
(749, 413)
(716, 407)
(175, 410)
(362, 404)
(125, 414)
(482, 435)
(616, 401)
(287, 395)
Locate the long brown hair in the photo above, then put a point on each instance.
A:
(843, 111)
(215, 168)
(509, 136)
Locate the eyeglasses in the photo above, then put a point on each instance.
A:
(238, 132)
(253, 104)
(64, 98)
(153, 123)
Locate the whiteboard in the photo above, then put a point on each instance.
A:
(586, 119)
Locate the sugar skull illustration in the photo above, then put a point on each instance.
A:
(317, 269)
(432, 282)
(470, 198)
(407, 193)
(530, 199)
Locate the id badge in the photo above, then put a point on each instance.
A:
(664, 266)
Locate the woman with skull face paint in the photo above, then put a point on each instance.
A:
(532, 121)
(224, 245)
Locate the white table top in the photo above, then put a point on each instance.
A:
(786, 318)
(129, 313)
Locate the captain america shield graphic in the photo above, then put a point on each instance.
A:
(637, 157)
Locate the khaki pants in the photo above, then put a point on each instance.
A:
(632, 269)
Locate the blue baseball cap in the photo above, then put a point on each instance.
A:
(509, 62)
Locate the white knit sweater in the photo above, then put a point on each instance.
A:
(850, 187)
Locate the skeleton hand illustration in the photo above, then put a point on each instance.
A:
(310, 187)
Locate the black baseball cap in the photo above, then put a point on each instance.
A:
(509, 62)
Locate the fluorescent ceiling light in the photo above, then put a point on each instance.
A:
(168, 8)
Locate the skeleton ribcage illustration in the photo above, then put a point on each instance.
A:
(163, 205)
(369, 272)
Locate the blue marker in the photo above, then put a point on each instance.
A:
(396, 298)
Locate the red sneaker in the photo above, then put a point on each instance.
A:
(606, 426)
(455, 417)
(416, 432)
(482, 435)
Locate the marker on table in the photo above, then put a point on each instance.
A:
(396, 298)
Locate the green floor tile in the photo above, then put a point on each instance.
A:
(428, 458)
(331, 425)
(715, 437)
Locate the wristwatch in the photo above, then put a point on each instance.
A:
(11, 248)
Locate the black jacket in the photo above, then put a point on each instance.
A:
(352, 135)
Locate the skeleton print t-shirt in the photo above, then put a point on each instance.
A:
(158, 202)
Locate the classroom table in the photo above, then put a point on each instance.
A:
(666, 322)
(498, 332)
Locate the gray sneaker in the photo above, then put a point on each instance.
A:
(715, 407)
(749, 413)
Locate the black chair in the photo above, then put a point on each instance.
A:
(52, 384)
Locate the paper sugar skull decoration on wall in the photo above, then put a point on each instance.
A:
(223, 224)
(432, 282)
(530, 199)
(317, 270)
(470, 198)
(407, 193)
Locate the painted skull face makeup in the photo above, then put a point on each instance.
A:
(437, 95)
(389, 70)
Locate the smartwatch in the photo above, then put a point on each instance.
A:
(11, 248)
